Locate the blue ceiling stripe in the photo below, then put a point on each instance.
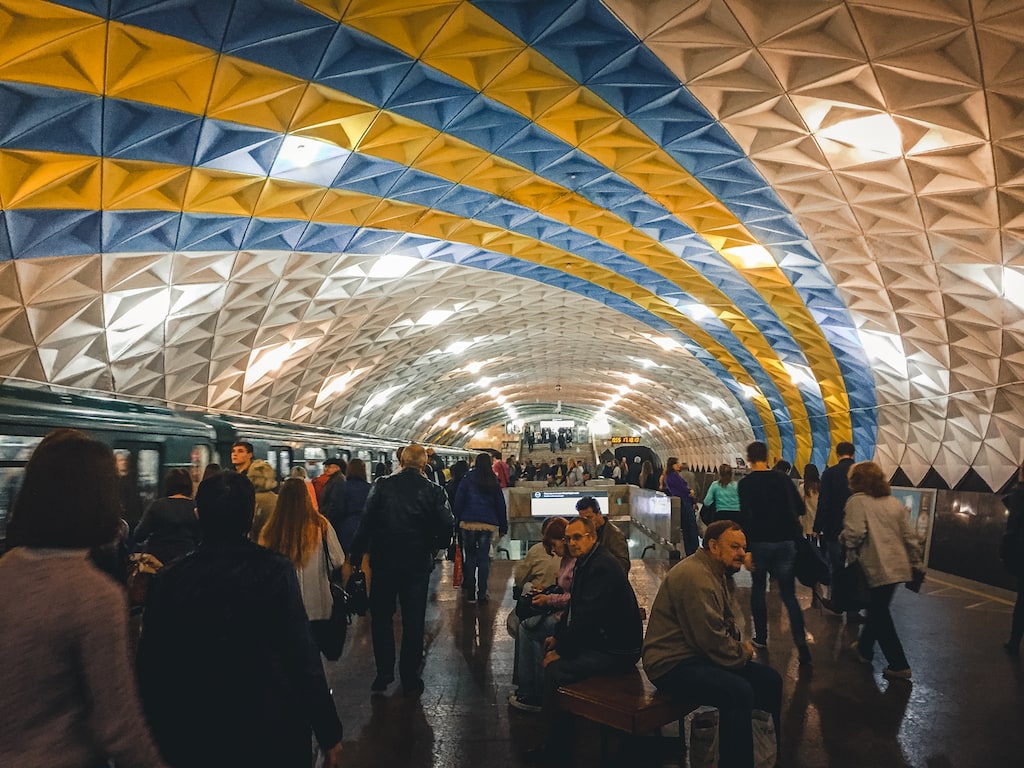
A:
(530, 141)
(38, 118)
(202, 23)
(6, 253)
(35, 233)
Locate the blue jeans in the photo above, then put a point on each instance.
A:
(476, 561)
(736, 693)
(530, 655)
(777, 558)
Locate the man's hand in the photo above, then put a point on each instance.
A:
(549, 644)
(540, 600)
(332, 757)
(550, 657)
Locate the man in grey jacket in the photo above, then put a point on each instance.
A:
(693, 647)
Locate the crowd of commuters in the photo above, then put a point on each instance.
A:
(229, 647)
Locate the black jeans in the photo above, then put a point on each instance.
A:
(1017, 627)
(879, 627)
(410, 589)
(736, 693)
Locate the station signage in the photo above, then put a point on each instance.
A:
(625, 441)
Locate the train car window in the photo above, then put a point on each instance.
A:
(15, 451)
(199, 458)
(272, 461)
(138, 469)
(284, 461)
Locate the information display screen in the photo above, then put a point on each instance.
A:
(563, 503)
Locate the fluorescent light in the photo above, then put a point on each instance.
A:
(874, 137)
(300, 152)
(647, 363)
(380, 398)
(752, 256)
(435, 317)
(799, 374)
(1013, 286)
(391, 266)
(666, 343)
(335, 385)
(717, 403)
(884, 347)
(475, 366)
(408, 407)
(270, 359)
(458, 347)
(697, 312)
(145, 314)
(748, 391)
(484, 381)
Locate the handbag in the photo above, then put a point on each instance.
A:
(330, 633)
(707, 513)
(851, 592)
(525, 609)
(811, 565)
(358, 599)
(457, 566)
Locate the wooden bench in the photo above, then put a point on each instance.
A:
(627, 702)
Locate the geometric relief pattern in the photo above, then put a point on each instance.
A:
(420, 220)
(918, 220)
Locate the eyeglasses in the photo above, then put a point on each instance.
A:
(576, 537)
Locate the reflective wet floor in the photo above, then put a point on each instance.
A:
(964, 708)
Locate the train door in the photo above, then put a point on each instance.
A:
(15, 451)
(138, 477)
(280, 458)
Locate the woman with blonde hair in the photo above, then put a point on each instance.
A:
(877, 533)
(301, 534)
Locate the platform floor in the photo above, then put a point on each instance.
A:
(964, 708)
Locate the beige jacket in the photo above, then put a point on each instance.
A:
(877, 532)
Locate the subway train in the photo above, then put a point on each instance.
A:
(147, 440)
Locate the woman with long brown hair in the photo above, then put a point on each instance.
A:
(300, 533)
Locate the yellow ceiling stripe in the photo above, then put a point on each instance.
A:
(235, 194)
(267, 95)
(539, 90)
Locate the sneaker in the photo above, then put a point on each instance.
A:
(896, 674)
(381, 683)
(860, 656)
(526, 705)
(805, 655)
(759, 642)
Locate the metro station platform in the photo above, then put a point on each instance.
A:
(964, 708)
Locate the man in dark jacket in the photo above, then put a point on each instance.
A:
(608, 536)
(600, 632)
(407, 518)
(226, 655)
(829, 518)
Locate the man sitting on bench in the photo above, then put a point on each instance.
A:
(693, 648)
(600, 632)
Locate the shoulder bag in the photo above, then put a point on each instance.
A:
(330, 633)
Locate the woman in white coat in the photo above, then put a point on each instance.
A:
(877, 532)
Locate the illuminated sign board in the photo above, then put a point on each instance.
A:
(625, 441)
(550, 503)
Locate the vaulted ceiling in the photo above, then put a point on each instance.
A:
(705, 222)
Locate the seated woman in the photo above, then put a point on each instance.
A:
(539, 568)
(531, 632)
